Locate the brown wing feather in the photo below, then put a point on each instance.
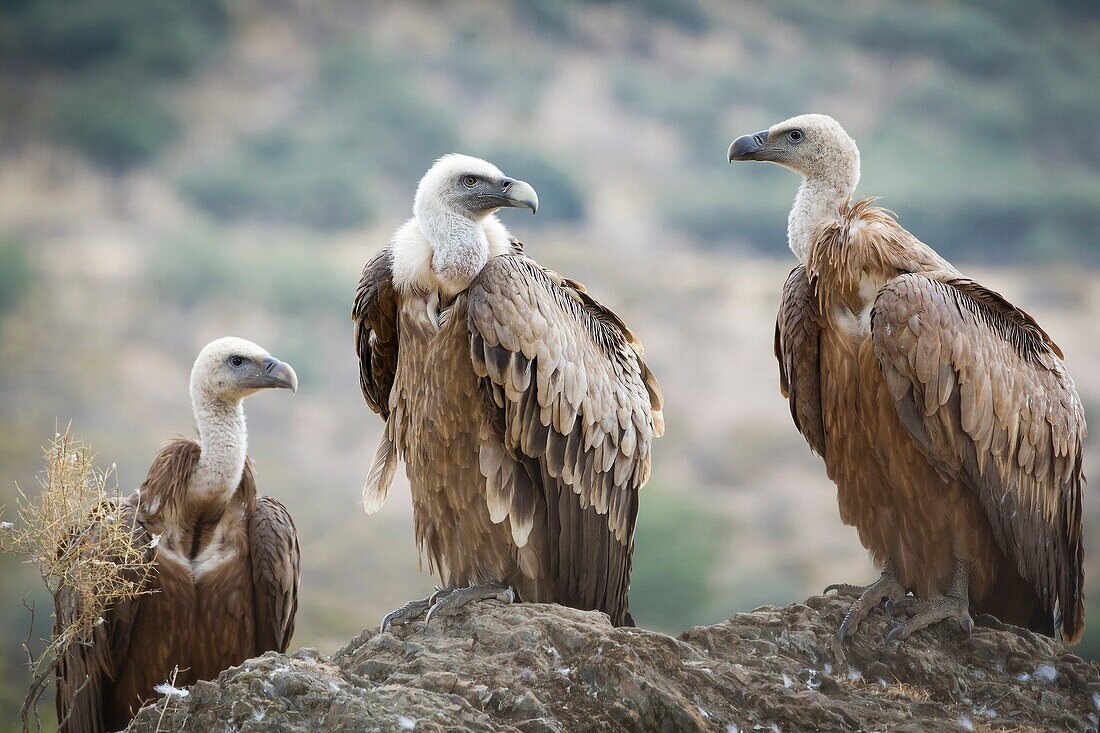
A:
(165, 486)
(376, 340)
(276, 571)
(983, 391)
(578, 408)
(797, 341)
(86, 671)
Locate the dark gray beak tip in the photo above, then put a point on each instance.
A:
(280, 374)
(747, 146)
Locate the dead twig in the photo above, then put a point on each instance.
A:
(79, 535)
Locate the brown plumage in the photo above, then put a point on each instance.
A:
(225, 585)
(521, 406)
(944, 413)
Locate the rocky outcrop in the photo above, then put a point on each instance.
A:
(538, 668)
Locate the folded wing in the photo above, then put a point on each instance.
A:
(983, 391)
(797, 345)
(276, 571)
(574, 411)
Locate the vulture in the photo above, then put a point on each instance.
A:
(226, 566)
(944, 413)
(521, 407)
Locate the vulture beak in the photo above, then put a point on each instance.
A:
(519, 194)
(748, 147)
(277, 374)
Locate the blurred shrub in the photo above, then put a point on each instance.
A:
(192, 269)
(376, 114)
(367, 126)
(114, 123)
(733, 207)
(689, 15)
(552, 17)
(475, 60)
(696, 104)
(691, 105)
(994, 228)
(158, 38)
(281, 178)
(16, 274)
(113, 57)
(962, 36)
(965, 38)
(295, 279)
(556, 16)
(287, 278)
(560, 199)
(677, 544)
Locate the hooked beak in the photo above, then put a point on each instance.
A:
(519, 194)
(748, 147)
(277, 374)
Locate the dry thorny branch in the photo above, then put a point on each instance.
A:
(78, 534)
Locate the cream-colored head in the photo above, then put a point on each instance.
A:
(230, 369)
(470, 187)
(814, 145)
(453, 210)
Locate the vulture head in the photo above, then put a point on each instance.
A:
(470, 187)
(231, 369)
(814, 145)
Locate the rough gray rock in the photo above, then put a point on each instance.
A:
(538, 668)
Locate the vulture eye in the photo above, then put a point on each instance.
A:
(237, 361)
(469, 181)
(795, 136)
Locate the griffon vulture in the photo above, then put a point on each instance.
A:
(521, 406)
(226, 565)
(944, 413)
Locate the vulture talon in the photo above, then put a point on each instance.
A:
(844, 589)
(842, 634)
(893, 634)
(408, 612)
(439, 593)
(885, 588)
(459, 597)
(904, 606)
(924, 612)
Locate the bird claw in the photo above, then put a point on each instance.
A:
(924, 612)
(459, 597)
(852, 619)
(885, 588)
(409, 612)
(893, 634)
(843, 632)
(845, 589)
(894, 605)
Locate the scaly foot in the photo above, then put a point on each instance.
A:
(410, 611)
(924, 612)
(886, 588)
(447, 603)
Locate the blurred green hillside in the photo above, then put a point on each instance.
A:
(977, 115)
(171, 172)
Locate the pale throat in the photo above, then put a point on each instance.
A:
(817, 203)
(460, 247)
(223, 436)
